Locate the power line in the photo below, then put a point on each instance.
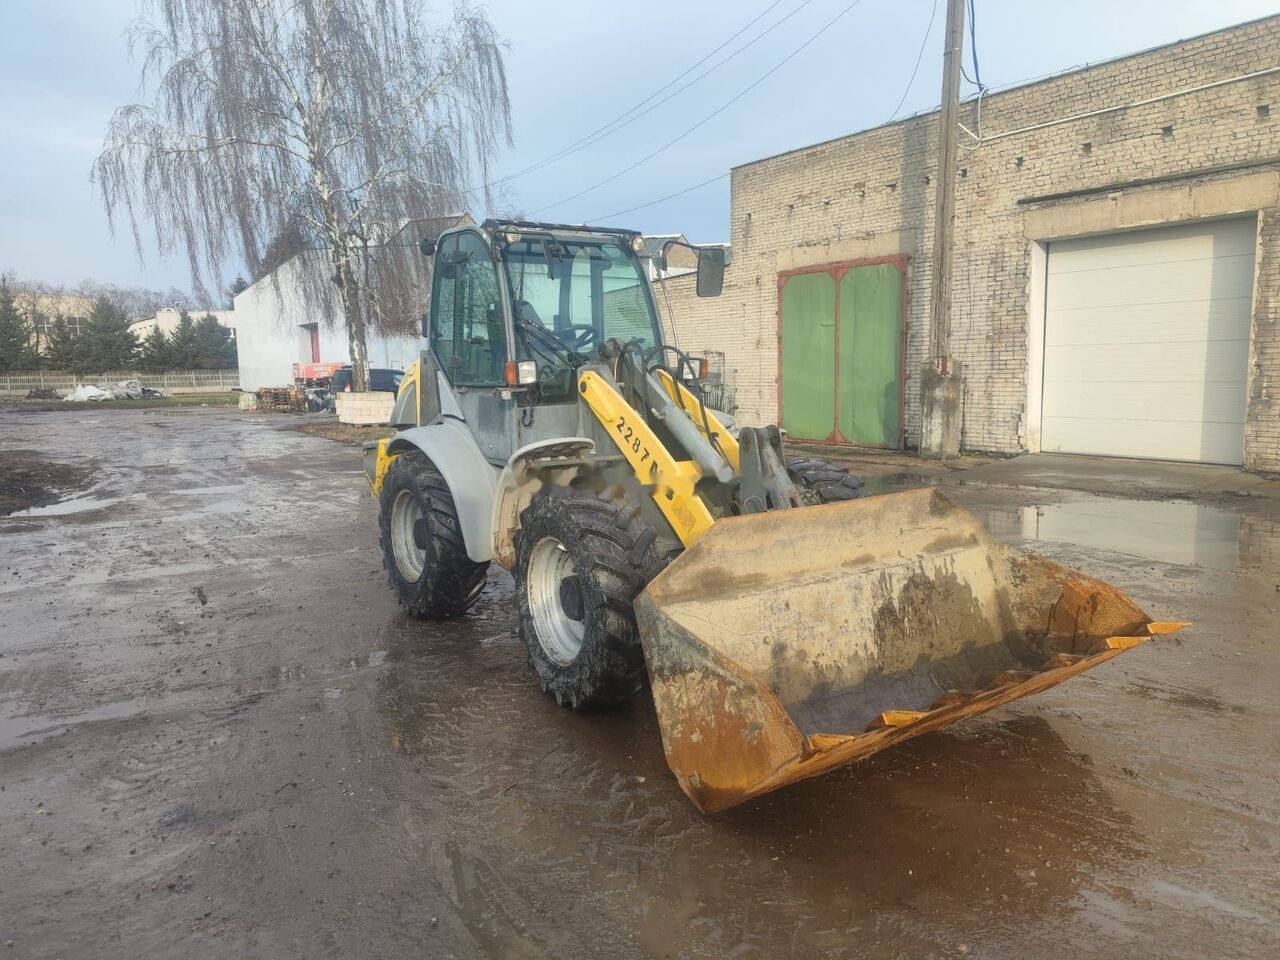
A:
(669, 196)
(627, 118)
(711, 116)
(976, 79)
(716, 66)
(919, 57)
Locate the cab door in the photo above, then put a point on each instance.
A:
(469, 339)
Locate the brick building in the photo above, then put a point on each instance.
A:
(1117, 266)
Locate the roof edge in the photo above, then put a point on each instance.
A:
(1004, 91)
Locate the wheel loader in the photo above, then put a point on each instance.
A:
(784, 623)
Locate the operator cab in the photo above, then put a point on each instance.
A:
(524, 305)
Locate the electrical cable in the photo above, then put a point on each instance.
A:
(626, 118)
(705, 183)
(973, 48)
(919, 57)
(711, 116)
(669, 196)
(976, 80)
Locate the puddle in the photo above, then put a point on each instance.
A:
(210, 491)
(1171, 532)
(875, 485)
(26, 729)
(64, 508)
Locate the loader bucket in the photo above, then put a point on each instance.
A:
(787, 643)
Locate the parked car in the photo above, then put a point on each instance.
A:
(380, 379)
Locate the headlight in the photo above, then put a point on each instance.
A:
(637, 243)
(512, 237)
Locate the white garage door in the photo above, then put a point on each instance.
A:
(1147, 343)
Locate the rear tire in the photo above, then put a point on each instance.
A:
(422, 545)
(821, 481)
(581, 559)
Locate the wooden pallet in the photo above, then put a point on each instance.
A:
(281, 399)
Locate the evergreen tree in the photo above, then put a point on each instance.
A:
(182, 343)
(15, 334)
(214, 348)
(107, 342)
(238, 285)
(156, 353)
(62, 347)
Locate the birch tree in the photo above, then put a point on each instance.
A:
(345, 119)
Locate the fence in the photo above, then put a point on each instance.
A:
(175, 381)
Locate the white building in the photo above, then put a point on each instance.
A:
(167, 320)
(276, 327)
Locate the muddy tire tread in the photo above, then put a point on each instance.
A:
(608, 541)
(451, 581)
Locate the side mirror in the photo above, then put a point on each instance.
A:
(710, 271)
(428, 246)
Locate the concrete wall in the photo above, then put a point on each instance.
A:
(271, 332)
(1168, 115)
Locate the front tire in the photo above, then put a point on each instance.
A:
(581, 559)
(821, 481)
(422, 545)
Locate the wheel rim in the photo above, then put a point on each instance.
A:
(552, 584)
(406, 512)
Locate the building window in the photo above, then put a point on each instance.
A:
(73, 325)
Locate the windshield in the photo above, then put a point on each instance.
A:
(569, 297)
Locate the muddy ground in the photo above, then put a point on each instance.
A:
(329, 428)
(219, 737)
(30, 479)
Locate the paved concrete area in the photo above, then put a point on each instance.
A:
(1128, 478)
(219, 737)
(1107, 476)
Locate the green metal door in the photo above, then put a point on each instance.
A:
(808, 346)
(870, 354)
(842, 354)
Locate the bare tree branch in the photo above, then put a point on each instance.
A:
(321, 120)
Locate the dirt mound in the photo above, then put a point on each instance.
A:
(29, 480)
(344, 432)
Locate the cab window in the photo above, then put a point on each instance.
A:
(467, 333)
(568, 298)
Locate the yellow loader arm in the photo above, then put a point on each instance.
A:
(671, 480)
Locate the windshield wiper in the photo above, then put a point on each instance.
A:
(572, 356)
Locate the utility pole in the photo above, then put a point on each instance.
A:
(941, 386)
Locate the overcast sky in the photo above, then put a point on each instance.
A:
(573, 66)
